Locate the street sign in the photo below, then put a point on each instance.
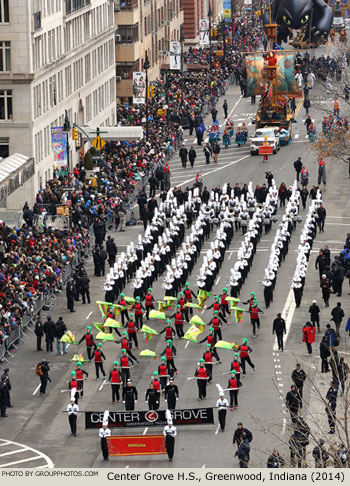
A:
(98, 143)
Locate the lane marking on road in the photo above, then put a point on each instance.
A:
(186, 345)
(14, 452)
(34, 458)
(88, 315)
(217, 429)
(36, 389)
(39, 455)
(297, 135)
(217, 280)
(145, 431)
(284, 425)
(287, 314)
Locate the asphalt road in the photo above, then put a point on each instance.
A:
(40, 422)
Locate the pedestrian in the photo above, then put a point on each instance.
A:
(122, 219)
(307, 105)
(239, 432)
(153, 183)
(233, 387)
(279, 328)
(331, 337)
(216, 151)
(183, 153)
(243, 452)
(170, 433)
(42, 370)
(202, 380)
(60, 330)
(111, 249)
(99, 356)
(298, 378)
(49, 330)
(320, 455)
(152, 397)
(6, 379)
(3, 398)
(304, 176)
(39, 332)
(214, 114)
(192, 154)
(244, 355)
(222, 406)
(309, 333)
(326, 289)
(103, 433)
(343, 371)
(225, 108)
(114, 380)
(293, 107)
(314, 312)
(275, 460)
(322, 173)
(89, 342)
(324, 354)
(84, 282)
(293, 403)
(208, 152)
(298, 165)
(130, 396)
(70, 293)
(320, 263)
(336, 107)
(72, 412)
(337, 316)
(338, 272)
(321, 217)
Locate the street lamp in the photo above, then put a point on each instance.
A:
(210, 13)
(66, 129)
(182, 40)
(146, 66)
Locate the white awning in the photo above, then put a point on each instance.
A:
(11, 164)
(117, 134)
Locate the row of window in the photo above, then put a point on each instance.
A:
(47, 7)
(64, 83)
(99, 100)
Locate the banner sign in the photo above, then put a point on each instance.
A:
(188, 416)
(175, 55)
(204, 32)
(139, 88)
(136, 445)
(226, 5)
(265, 150)
(59, 146)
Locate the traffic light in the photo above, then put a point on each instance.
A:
(75, 134)
(153, 91)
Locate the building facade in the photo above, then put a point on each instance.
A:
(143, 25)
(55, 55)
(194, 10)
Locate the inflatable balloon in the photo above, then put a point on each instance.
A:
(315, 15)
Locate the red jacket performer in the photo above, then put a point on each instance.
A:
(114, 380)
(170, 352)
(179, 323)
(149, 301)
(244, 355)
(89, 342)
(202, 379)
(188, 293)
(98, 358)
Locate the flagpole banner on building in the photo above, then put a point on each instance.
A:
(139, 88)
(59, 146)
(175, 55)
(204, 32)
(226, 5)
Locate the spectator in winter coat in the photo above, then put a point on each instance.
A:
(337, 316)
(314, 311)
(324, 354)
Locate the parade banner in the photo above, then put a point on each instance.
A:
(226, 5)
(204, 32)
(59, 147)
(136, 445)
(188, 416)
(139, 88)
(175, 55)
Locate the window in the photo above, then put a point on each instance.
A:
(4, 147)
(129, 33)
(4, 11)
(87, 68)
(5, 104)
(88, 108)
(68, 80)
(5, 56)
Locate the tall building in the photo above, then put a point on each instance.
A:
(143, 25)
(194, 10)
(55, 55)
